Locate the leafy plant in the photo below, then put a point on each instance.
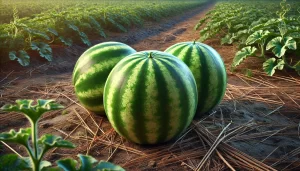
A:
(71, 22)
(40, 146)
(279, 43)
(252, 26)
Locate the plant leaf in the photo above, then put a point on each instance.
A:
(97, 26)
(37, 33)
(87, 163)
(271, 65)
(107, 166)
(44, 49)
(73, 27)
(227, 39)
(53, 31)
(20, 137)
(67, 164)
(11, 162)
(117, 25)
(280, 45)
(297, 67)
(51, 141)
(51, 169)
(243, 54)
(66, 41)
(22, 57)
(44, 164)
(33, 112)
(257, 36)
(84, 38)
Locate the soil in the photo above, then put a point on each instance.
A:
(268, 107)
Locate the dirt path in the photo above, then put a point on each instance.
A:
(261, 101)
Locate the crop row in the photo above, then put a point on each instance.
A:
(76, 23)
(29, 8)
(271, 28)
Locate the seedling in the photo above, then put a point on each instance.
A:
(40, 146)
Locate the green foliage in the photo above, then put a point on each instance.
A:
(12, 162)
(39, 147)
(243, 54)
(252, 24)
(20, 137)
(74, 22)
(272, 64)
(21, 56)
(257, 37)
(87, 163)
(281, 44)
(31, 111)
(44, 49)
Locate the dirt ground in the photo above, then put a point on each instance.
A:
(262, 113)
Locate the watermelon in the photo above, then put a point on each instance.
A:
(150, 97)
(92, 69)
(208, 69)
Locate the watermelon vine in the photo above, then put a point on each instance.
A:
(253, 27)
(76, 23)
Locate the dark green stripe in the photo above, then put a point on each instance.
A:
(99, 58)
(138, 100)
(187, 57)
(87, 53)
(102, 45)
(117, 97)
(176, 46)
(203, 83)
(93, 81)
(221, 85)
(183, 94)
(163, 103)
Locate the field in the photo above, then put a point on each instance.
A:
(255, 127)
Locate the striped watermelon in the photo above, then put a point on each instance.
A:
(150, 97)
(208, 69)
(92, 70)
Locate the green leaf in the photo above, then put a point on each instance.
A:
(20, 137)
(97, 26)
(22, 57)
(33, 112)
(53, 31)
(12, 162)
(84, 38)
(67, 164)
(37, 33)
(51, 141)
(200, 23)
(117, 25)
(257, 36)
(52, 169)
(243, 54)
(45, 164)
(66, 41)
(297, 67)
(107, 166)
(227, 39)
(73, 27)
(87, 163)
(280, 45)
(44, 49)
(271, 65)
(239, 26)
(248, 73)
